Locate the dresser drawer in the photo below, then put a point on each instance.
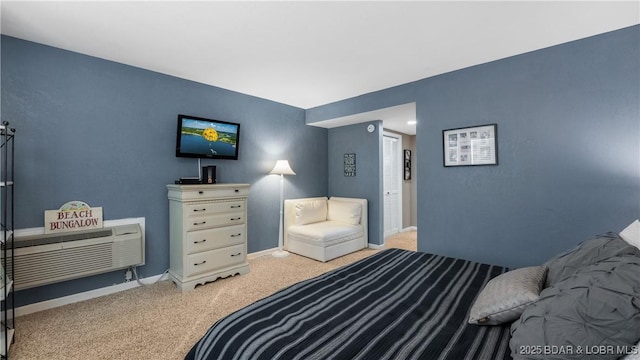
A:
(215, 220)
(214, 259)
(206, 208)
(203, 240)
(197, 192)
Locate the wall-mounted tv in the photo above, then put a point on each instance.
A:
(207, 138)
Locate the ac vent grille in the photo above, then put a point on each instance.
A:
(51, 267)
(58, 258)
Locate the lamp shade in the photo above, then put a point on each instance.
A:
(282, 168)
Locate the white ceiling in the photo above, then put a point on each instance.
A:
(305, 53)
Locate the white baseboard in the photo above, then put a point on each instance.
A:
(383, 246)
(261, 253)
(70, 299)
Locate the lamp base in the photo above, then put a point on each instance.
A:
(280, 254)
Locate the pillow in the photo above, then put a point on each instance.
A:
(598, 308)
(506, 296)
(600, 248)
(631, 234)
(309, 212)
(344, 211)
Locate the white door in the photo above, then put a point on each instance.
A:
(392, 184)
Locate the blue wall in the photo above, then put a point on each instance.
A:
(102, 132)
(568, 132)
(367, 184)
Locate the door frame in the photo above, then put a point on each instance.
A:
(398, 172)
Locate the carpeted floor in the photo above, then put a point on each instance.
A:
(158, 322)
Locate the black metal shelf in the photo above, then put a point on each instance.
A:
(7, 298)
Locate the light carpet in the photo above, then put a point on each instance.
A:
(159, 322)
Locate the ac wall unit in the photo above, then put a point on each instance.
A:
(45, 259)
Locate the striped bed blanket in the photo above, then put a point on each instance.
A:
(396, 304)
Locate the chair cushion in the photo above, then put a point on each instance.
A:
(309, 212)
(325, 233)
(344, 211)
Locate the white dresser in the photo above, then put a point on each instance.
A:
(207, 232)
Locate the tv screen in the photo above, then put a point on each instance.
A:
(207, 138)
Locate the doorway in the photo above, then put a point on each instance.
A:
(392, 183)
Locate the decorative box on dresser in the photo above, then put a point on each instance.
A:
(207, 233)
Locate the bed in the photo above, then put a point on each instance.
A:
(396, 304)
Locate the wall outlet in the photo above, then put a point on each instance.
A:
(127, 275)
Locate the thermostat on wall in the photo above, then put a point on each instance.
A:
(371, 128)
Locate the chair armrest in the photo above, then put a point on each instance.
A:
(364, 217)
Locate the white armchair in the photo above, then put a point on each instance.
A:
(324, 229)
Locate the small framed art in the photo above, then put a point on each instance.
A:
(477, 145)
(350, 165)
(407, 164)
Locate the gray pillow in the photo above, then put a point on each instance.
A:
(597, 306)
(587, 253)
(506, 296)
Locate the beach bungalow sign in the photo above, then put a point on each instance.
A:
(72, 216)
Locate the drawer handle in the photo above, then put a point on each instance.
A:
(200, 263)
(236, 190)
(237, 218)
(203, 209)
(236, 206)
(200, 241)
(238, 254)
(236, 235)
(200, 192)
(199, 223)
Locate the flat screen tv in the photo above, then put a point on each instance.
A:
(207, 138)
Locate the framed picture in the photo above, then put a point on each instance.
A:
(407, 164)
(469, 146)
(350, 165)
